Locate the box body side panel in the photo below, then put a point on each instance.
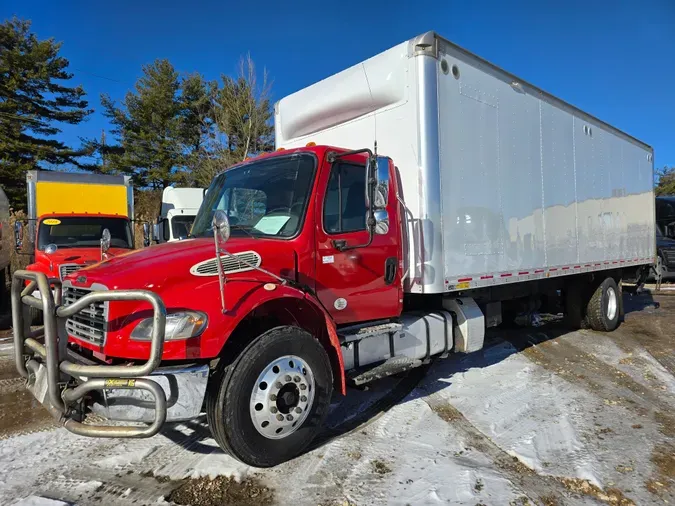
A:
(527, 185)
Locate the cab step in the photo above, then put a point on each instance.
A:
(358, 332)
(391, 366)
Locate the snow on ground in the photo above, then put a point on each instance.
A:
(539, 415)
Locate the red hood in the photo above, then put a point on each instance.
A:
(49, 263)
(168, 265)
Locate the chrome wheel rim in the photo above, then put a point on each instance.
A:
(612, 303)
(282, 397)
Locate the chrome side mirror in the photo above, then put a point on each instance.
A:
(221, 233)
(377, 194)
(381, 196)
(155, 232)
(18, 236)
(146, 235)
(105, 243)
(377, 182)
(381, 222)
(51, 248)
(221, 226)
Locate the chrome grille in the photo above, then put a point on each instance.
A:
(230, 265)
(89, 324)
(66, 269)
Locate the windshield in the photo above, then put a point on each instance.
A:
(265, 198)
(83, 232)
(181, 225)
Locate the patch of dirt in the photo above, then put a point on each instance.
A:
(609, 496)
(663, 457)
(447, 412)
(222, 491)
(666, 423)
(21, 413)
(549, 500)
(338, 502)
(380, 467)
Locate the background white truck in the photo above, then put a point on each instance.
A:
(179, 208)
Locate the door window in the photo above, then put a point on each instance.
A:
(345, 205)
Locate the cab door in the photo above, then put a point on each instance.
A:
(354, 281)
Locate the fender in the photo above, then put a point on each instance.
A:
(242, 296)
(334, 342)
(261, 296)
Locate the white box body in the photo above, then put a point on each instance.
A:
(505, 182)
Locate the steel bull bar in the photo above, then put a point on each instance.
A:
(58, 383)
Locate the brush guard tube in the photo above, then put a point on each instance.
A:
(67, 381)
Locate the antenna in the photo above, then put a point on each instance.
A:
(372, 100)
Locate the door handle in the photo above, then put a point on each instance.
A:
(390, 270)
(339, 244)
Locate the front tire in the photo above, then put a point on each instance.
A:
(269, 404)
(604, 307)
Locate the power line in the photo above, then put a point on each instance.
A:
(98, 75)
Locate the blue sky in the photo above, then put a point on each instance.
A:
(612, 58)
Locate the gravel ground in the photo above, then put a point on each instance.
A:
(539, 416)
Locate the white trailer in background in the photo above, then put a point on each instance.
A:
(179, 208)
(503, 183)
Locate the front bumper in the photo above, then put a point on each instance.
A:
(68, 384)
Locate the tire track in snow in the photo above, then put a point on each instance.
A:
(538, 488)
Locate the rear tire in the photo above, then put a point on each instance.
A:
(245, 399)
(604, 307)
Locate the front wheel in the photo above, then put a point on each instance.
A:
(271, 402)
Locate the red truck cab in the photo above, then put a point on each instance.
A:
(68, 214)
(66, 243)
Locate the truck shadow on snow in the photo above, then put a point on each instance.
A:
(362, 406)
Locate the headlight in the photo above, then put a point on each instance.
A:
(180, 325)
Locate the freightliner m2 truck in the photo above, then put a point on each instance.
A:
(330, 262)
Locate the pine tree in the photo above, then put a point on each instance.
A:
(33, 97)
(666, 181)
(149, 127)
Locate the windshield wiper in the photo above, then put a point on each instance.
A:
(246, 230)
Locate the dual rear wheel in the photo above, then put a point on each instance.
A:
(596, 306)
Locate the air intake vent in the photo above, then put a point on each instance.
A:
(66, 269)
(231, 264)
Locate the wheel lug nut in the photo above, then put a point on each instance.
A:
(303, 398)
(298, 410)
(303, 386)
(273, 397)
(297, 379)
(280, 417)
(289, 418)
(287, 378)
(279, 384)
(273, 409)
